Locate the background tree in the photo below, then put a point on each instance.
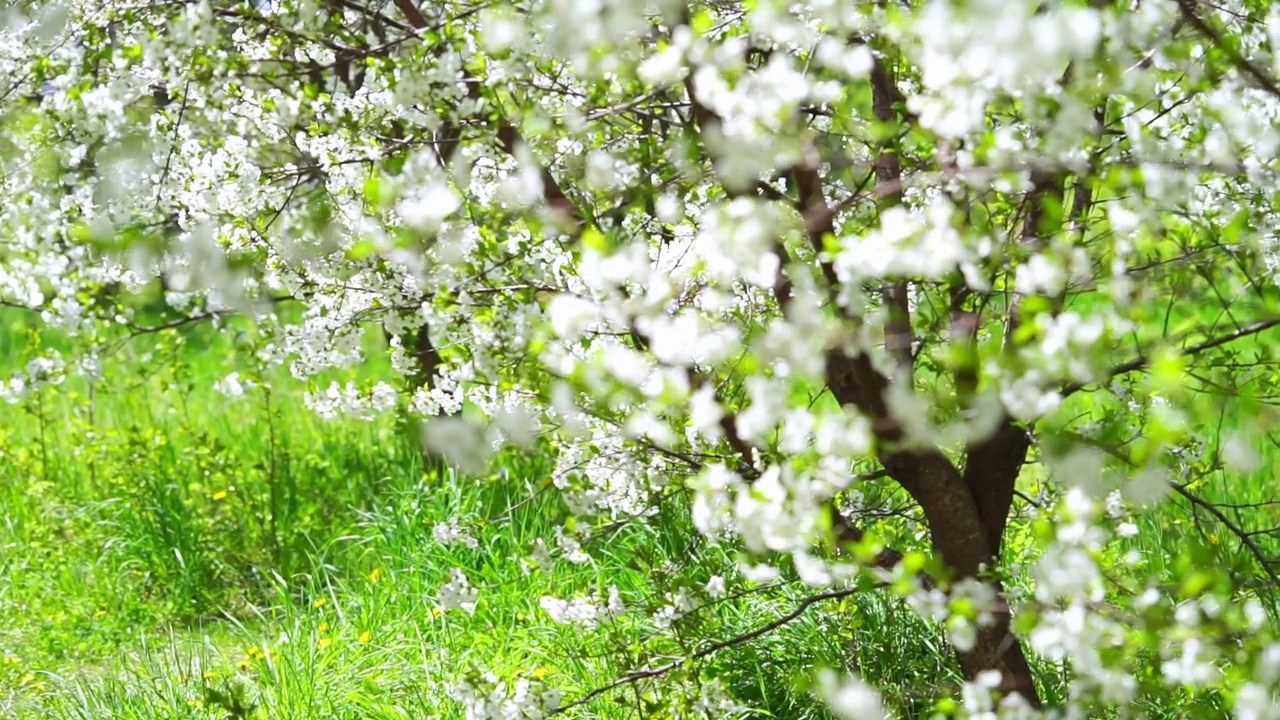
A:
(759, 258)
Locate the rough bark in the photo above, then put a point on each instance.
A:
(966, 513)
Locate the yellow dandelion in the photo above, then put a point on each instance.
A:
(324, 627)
(520, 617)
(319, 603)
(365, 636)
(253, 652)
(324, 643)
(539, 673)
(436, 612)
(375, 575)
(220, 495)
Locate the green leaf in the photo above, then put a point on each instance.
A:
(702, 22)
(1236, 228)
(361, 250)
(378, 193)
(594, 239)
(1167, 370)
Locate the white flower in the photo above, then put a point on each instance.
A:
(760, 574)
(705, 413)
(458, 593)
(666, 67)
(1115, 505)
(424, 208)
(47, 370)
(962, 633)
(571, 315)
(601, 171)
(905, 244)
(383, 397)
(850, 698)
(768, 405)
(1192, 666)
(451, 532)
(13, 390)
(231, 385)
(835, 53)
(459, 441)
(1240, 454)
(1039, 276)
(712, 503)
(715, 586)
(669, 209)
(582, 611)
(571, 548)
(1253, 702)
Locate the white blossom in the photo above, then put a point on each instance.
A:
(458, 593)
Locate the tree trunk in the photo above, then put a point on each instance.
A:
(967, 514)
(998, 649)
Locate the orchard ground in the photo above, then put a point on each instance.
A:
(169, 551)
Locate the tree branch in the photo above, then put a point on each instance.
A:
(1142, 361)
(1265, 81)
(1245, 537)
(638, 675)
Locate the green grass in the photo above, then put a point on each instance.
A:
(167, 550)
(171, 553)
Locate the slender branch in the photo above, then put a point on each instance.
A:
(412, 14)
(1188, 8)
(1245, 537)
(1142, 361)
(638, 675)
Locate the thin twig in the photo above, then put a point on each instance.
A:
(1142, 361)
(1242, 63)
(638, 675)
(1245, 537)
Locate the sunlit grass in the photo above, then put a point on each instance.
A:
(170, 552)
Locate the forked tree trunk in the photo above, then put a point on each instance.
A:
(967, 514)
(967, 511)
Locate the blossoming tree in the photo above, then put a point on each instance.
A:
(1008, 258)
